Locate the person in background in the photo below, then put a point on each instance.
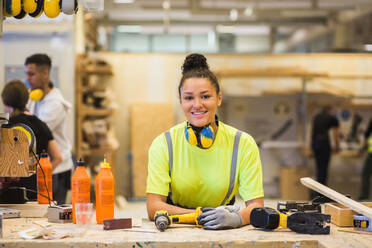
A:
(53, 110)
(15, 97)
(323, 122)
(203, 162)
(367, 168)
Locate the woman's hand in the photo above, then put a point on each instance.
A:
(222, 217)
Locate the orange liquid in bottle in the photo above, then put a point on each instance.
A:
(80, 187)
(44, 180)
(104, 193)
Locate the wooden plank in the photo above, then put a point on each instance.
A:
(148, 120)
(14, 151)
(334, 195)
(341, 215)
(30, 209)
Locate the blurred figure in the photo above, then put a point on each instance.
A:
(15, 96)
(367, 169)
(320, 141)
(53, 109)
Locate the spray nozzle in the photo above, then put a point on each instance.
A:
(105, 164)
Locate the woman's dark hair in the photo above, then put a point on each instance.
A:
(196, 66)
(15, 95)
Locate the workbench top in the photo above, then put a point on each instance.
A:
(179, 236)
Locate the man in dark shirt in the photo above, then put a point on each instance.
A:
(320, 141)
(367, 168)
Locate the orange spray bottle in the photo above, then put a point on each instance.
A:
(44, 180)
(104, 193)
(80, 187)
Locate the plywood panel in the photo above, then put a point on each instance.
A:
(147, 121)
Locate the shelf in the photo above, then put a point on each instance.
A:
(94, 69)
(97, 151)
(88, 111)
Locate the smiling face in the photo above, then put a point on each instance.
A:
(199, 101)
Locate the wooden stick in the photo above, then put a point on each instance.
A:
(354, 231)
(334, 195)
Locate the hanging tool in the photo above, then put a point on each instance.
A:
(163, 220)
(292, 206)
(300, 222)
(362, 223)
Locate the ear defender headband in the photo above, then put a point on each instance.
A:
(12, 8)
(202, 138)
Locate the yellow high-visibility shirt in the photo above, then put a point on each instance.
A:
(201, 177)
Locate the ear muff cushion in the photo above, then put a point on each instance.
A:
(5, 12)
(21, 15)
(30, 6)
(68, 7)
(39, 8)
(206, 137)
(52, 8)
(13, 7)
(190, 136)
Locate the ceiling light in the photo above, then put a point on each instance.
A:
(233, 15)
(166, 5)
(123, 1)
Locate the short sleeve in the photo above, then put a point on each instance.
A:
(46, 131)
(158, 177)
(250, 170)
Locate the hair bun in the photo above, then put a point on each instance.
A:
(193, 62)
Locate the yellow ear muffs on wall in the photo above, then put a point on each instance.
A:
(5, 13)
(34, 8)
(69, 7)
(21, 15)
(52, 8)
(13, 7)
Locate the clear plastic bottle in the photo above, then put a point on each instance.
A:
(80, 187)
(44, 180)
(104, 193)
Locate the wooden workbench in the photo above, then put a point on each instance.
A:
(181, 236)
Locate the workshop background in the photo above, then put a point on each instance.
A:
(278, 62)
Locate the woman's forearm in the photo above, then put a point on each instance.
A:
(250, 205)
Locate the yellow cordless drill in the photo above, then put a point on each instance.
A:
(163, 219)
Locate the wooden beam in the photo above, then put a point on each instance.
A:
(334, 195)
(270, 72)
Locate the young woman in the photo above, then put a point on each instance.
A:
(15, 97)
(203, 162)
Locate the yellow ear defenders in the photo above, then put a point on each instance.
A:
(34, 8)
(202, 138)
(12, 7)
(52, 8)
(36, 94)
(69, 7)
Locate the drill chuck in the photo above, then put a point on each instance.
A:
(162, 222)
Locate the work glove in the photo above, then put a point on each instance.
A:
(222, 217)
